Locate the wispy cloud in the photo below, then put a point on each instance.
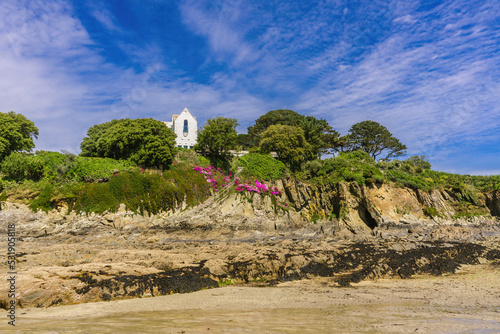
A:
(53, 73)
(427, 71)
(435, 89)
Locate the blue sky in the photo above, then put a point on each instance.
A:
(427, 70)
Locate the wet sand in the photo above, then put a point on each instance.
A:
(465, 302)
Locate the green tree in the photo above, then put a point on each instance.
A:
(216, 138)
(322, 137)
(244, 141)
(289, 143)
(144, 141)
(419, 161)
(317, 132)
(374, 139)
(16, 134)
(89, 145)
(273, 117)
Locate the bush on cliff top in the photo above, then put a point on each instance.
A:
(22, 166)
(355, 166)
(260, 166)
(141, 191)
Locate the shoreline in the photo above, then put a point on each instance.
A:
(83, 275)
(465, 301)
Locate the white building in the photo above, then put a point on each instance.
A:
(185, 127)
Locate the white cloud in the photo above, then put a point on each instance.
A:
(432, 83)
(105, 18)
(405, 19)
(433, 95)
(53, 74)
(220, 28)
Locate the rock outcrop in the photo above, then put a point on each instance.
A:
(345, 231)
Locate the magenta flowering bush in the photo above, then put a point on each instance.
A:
(256, 187)
(218, 179)
(215, 176)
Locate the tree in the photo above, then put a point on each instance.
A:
(273, 117)
(244, 141)
(16, 134)
(335, 143)
(289, 143)
(144, 141)
(89, 145)
(317, 132)
(216, 138)
(374, 139)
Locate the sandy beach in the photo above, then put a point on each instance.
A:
(465, 302)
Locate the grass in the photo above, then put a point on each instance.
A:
(98, 185)
(225, 282)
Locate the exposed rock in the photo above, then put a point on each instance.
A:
(346, 231)
(493, 203)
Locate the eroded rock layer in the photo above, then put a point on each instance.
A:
(69, 258)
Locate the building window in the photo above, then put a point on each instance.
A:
(185, 126)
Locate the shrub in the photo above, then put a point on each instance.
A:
(94, 169)
(261, 166)
(21, 166)
(91, 197)
(141, 191)
(354, 166)
(419, 161)
(56, 164)
(389, 165)
(191, 157)
(312, 167)
(431, 212)
(44, 199)
(409, 180)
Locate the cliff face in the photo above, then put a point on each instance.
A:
(74, 258)
(329, 208)
(361, 209)
(492, 201)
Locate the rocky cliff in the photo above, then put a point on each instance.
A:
(351, 207)
(361, 209)
(346, 231)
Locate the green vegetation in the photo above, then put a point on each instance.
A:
(317, 132)
(145, 142)
(225, 282)
(189, 156)
(217, 137)
(108, 172)
(373, 138)
(289, 143)
(273, 117)
(16, 134)
(355, 166)
(414, 173)
(140, 191)
(21, 166)
(431, 212)
(59, 167)
(260, 166)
